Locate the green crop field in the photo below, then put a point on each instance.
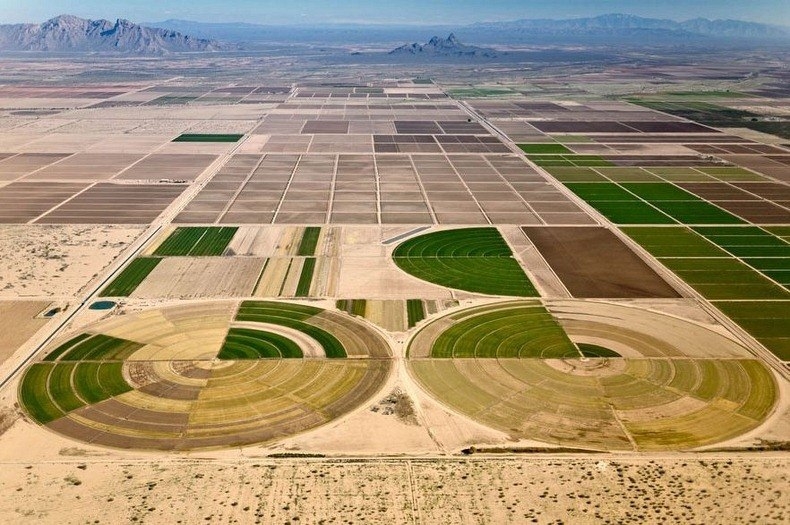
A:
(208, 137)
(595, 351)
(48, 391)
(100, 347)
(650, 203)
(714, 273)
(509, 330)
(95, 382)
(196, 241)
(309, 241)
(471, 259)
(60, 350)
(352, 306)
(292, 316)
(415, 310)
(547, 148)
(34, 396)
(631, 212)
(575, 174)
(766, 321)
(306, 277)
(673, 242)
(131, 277)
(245, 343)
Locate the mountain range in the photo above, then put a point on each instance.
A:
(624, 25)
(611, 27)
(68, 33)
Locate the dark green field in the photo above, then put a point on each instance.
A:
(766, 321)
(50, 390)
(649, 203)
(291, 316)
(515, 332)
(97, 347)
(306, 277)
(549, 148)
(714, 273)
(196, 241)
(415, 310)
(595, 351)
(714, 115)
(471, 259)
(245, 343)
(131, 277)
(208, 137)
(309, 241)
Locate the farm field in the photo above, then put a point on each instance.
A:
(472, 259)
(207, 137)
(512, 366)
(203, 376)
(593, 262)
(196, 242)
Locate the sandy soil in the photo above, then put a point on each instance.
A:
(190, 277)
(398, 491)
(18, 323)
(54, 261)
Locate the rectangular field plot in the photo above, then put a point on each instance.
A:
(208, 137)
(196, 242)
(188, 277)
(766, 321)
(86, 166)
(711, 271)
(21, 202)
(168, 167)
(650, 203)
(107, 203)
(593, 262)
(382, 189)
(131, 277)
(13, 167)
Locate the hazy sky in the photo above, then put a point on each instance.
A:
(393, 11)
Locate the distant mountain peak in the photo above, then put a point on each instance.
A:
(69, 33)
(444, 47)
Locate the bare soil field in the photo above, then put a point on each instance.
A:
(18, 323)
(194, 277)
(593, 262)
(52, 261)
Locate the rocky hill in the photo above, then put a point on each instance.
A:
(68, 33)
(449, 47)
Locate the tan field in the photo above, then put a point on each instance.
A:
(18, 322)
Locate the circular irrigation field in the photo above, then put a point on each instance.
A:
(475, 260)
(592, 375)
(208, 375)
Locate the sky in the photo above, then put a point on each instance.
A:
(419, 12)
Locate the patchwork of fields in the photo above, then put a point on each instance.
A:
(517, 268)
